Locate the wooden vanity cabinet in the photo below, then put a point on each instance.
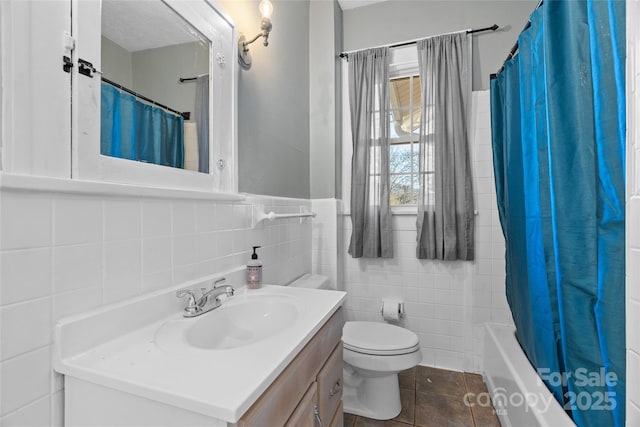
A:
(310, 385)
(338, 417)
(330, 385)
(305, 413)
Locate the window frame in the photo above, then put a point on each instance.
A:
(397, 71)
(403, 60)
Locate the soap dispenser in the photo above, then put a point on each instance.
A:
(254, 271)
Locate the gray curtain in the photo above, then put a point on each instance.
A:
(445, 206)
(202, 121)
(369, 101)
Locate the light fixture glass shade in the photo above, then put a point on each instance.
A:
(266, 8)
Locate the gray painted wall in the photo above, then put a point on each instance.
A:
(273, 101)
(339, 47)
(156, 73)
(401, 20)
(325, 42)
(116, 62)
(288, 117)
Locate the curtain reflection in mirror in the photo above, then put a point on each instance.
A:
(131, 129)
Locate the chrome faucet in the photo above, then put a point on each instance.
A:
(196, 307)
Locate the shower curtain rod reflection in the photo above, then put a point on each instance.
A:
(494, 27)
(190, 79)
(185, 115)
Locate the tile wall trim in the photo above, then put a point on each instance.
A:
(26, 183)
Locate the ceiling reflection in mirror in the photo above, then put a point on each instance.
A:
(155, 86)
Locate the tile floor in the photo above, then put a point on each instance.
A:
(435, 398)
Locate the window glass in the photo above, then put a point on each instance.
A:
(400, 159)
(404, 130)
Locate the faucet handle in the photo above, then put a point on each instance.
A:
(219, 282)
(192, 306)
(184, 292)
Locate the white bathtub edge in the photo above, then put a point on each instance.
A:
(508, 371)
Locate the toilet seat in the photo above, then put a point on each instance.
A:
(379, 339)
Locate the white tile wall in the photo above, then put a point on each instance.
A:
(446, 303)
(61, 254)
(633, 213)
(326, 255)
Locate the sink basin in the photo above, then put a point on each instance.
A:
(240, 321)
(214, 365)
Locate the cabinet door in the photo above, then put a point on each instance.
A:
(276, 404)
(35, 92)
(305, 413)
(213, 29)
(330, 384)
(338, 417)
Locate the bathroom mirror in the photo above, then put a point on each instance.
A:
(154, 94)
(155, 86)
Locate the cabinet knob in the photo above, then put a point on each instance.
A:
(336, 388)
(316, 415)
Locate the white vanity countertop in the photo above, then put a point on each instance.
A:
(219, 383)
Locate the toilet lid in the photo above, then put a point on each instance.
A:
(378, 338)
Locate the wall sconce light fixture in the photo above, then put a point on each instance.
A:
(244, 57)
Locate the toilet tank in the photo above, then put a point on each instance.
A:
(312, 281)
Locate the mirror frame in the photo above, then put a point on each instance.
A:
(87, 162)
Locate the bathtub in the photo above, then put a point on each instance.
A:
(519, 396)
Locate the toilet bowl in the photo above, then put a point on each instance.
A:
(374, 353)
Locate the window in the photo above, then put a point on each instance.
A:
(404, 132)
(405, 97)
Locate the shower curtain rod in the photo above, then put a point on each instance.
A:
(494, 27)
(185, 115)
(514, 49)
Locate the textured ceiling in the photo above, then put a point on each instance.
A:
(352, 4)
(139, 25)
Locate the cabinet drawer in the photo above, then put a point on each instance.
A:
(338, 417)
(278, 402)
(330, 385)
(304, 414)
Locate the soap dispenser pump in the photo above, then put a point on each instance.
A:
(254, 271)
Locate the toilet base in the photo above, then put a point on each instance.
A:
(381, 394)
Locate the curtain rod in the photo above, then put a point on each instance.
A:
(185, 115)
(494, 27)
(515, 47)
(189, 79)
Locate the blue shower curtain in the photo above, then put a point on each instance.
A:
(558, 129)
(133, 130)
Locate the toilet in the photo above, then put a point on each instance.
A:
(374, 353)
